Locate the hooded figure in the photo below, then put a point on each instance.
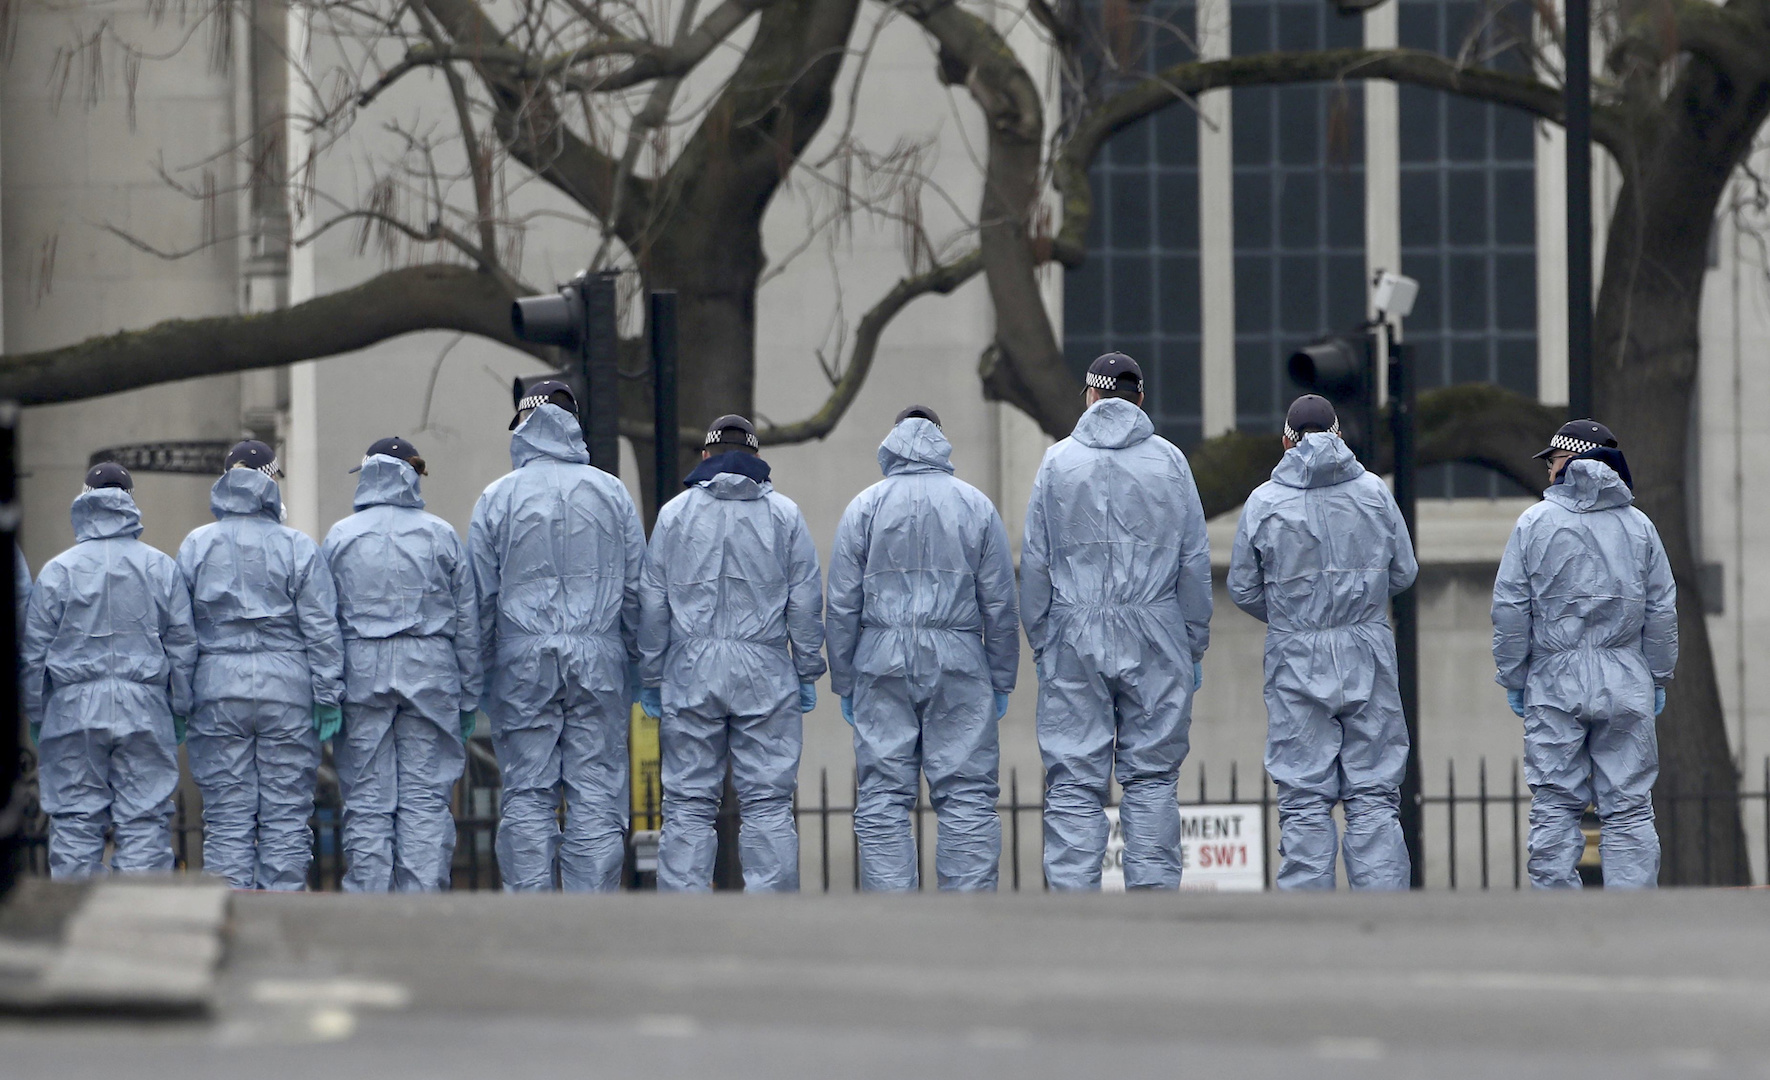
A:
(924, 637)
(410, 620)
(557, 548)
(1115, 592)
(269, 670)
(1320, 550)
(1585, 636)
(108, 655)
(731, 635)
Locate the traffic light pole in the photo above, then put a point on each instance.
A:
(1403, 399)
(600, 357)
(665, 461)
(1577, 87)
(11, 804)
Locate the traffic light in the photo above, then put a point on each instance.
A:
(580, 318)
(1342, 368)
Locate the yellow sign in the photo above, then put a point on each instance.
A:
(647, 779)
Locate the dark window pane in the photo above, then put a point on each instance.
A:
(1514, 136)
(1253, 210)
(1299, 211)
(1132, 303)
(1299, 125)
(1514, 279)
(1250, 29)
(1173, 35)
(1131, 146)
(1465, 129)
(1253, 294)
(1469, 362)
(1299, 26)
(1079, 350)
(1460, 19)
(1179, 366)
(1177, 210)
(1347, 297)
(1179, 313)
(1465, 207)
(1129, 193)
(1515, 366)
(1299, 294)
(1097, 219)
(1176, 136)
(1419, 124)
(1084, 298)
(1342, 32)
(1427, 356)
(1254, 387)
(1467, 292)
(1345, 210)
(1418, 26)
(1428, 316)
(1251, 125)
(1419, 209)
(1514, 206)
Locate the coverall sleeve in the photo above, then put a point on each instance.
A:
(1659, 635)
(42, 620)
(316, 607)
(848, 558)
(178, 636)
(1000, 609)
(1511, 616)
(634, 541)
(805, 602)
(1247, 578)
(1035, 570)
(484, 559)
(654, 604)
(466, 631)
(1194, 585)
(1404, 566)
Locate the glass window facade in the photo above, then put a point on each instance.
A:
(1468, 230)
(1138, 291)
(1299, 205)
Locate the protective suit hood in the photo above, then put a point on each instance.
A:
(1588, 486)
(245, 493)
(387, 481)
(1113, 424)
(550, 433)
(105, 514)
(916, 445)
(736, 486)
(1320, 460)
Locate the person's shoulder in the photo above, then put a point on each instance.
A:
(785, 507)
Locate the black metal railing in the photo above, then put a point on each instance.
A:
(1474, 838)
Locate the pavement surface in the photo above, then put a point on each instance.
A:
(1675, 983)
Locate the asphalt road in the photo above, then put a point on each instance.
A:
(489, 986)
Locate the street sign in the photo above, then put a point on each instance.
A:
(1221, 849)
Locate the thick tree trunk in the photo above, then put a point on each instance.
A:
(1645, 369)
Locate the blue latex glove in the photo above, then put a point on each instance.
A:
(469, 723)
(1001, 705)
(807, 696)
(178, 725)
(1515, 698)
(1198, 675)
(651, 701)
(327, 719)
(1659, 700)
(37, 733)
(848, 708)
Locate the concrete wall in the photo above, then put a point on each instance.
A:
(69, 170)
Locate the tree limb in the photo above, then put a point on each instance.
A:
(397, 302)
(942, 279)
(1409, 66)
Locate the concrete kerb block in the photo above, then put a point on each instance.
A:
(134, 947)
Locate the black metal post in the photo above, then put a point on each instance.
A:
(1578, 107)
(1403, 395)
(11, 803)
(666, 480)
(600, 356)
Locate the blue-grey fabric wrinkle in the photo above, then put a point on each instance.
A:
(109, 654)
(1319, 551)
(1585, 623)
(923, 630)
(1115, 595)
